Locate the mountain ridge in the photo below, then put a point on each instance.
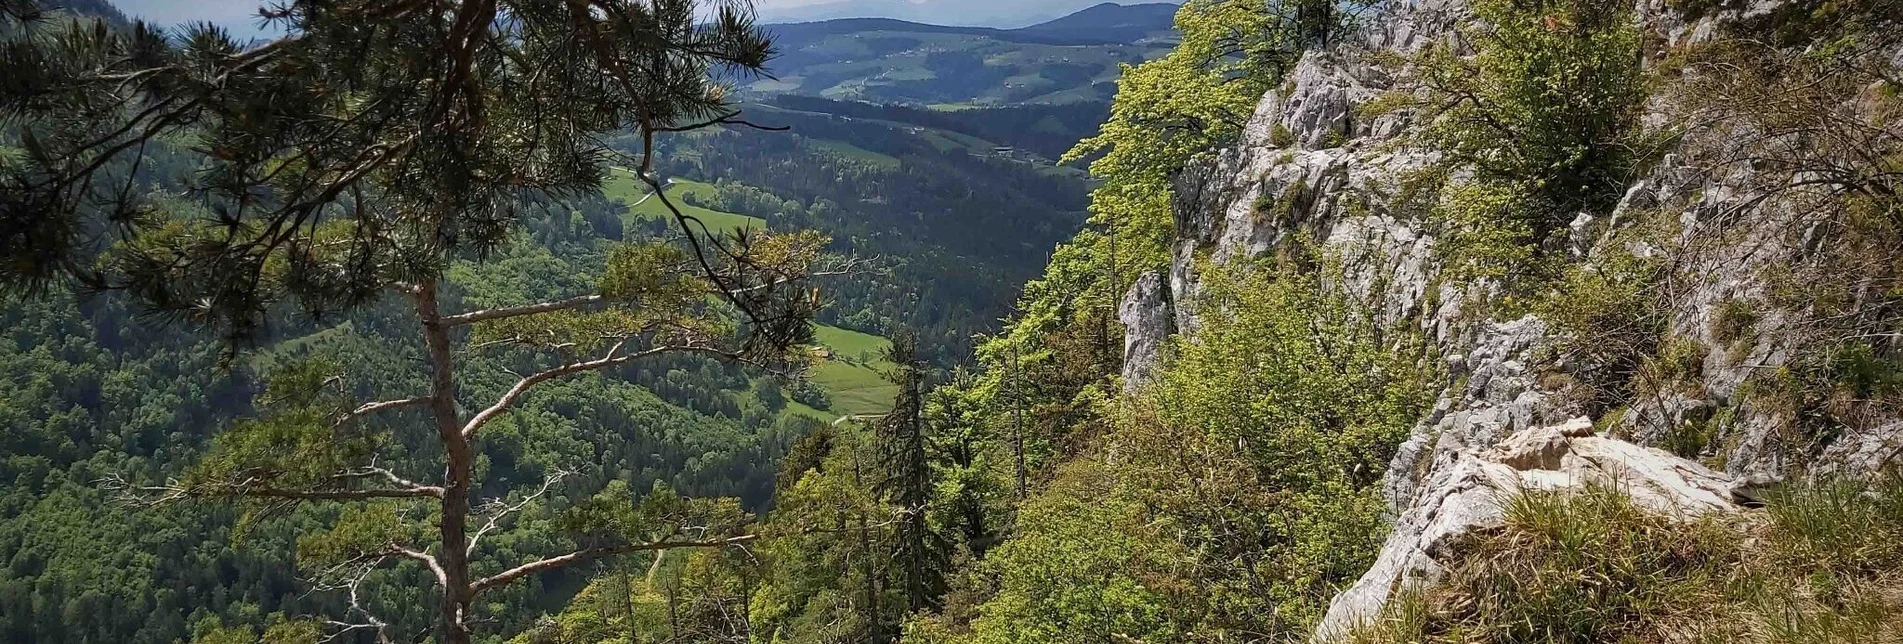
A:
(1002, 14)
(1072, 59)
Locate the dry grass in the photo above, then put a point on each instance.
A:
(1819, 564)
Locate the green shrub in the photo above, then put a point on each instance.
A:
(1075, 571)
(1280, 209)
(1383, 105)
(1680, 361)
(1485, 234)
(1734, 321)
(1280, 136)
(1609, 321)
(1239, 492)
(1545, 113)
(1260, 451)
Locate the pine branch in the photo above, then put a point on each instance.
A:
(498, 510)
(589, 554)
(609, 359)
(254, 488)
(371, 408)
(485, 315)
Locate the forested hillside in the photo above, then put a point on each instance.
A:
(923, 205)
(1504, 321)
(1069, 60)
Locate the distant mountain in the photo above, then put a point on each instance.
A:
(1109, 20)
(1067, 60)
(95, 8)
(979, 13)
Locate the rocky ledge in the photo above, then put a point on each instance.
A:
(1468, 498)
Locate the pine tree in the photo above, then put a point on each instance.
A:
(349, 162)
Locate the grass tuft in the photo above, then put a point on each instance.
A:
(1822, 563)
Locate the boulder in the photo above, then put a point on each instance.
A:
(1467, 498)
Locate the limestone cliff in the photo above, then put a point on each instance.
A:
(1314, 164)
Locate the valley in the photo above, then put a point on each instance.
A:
(952, 322)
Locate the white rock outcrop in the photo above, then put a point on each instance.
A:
(1145, 314)
(1466, 498)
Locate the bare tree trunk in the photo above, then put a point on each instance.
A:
(458, 459)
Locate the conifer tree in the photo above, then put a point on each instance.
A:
(907, 482)
(351, 161)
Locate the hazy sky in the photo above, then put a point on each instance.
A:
(240, 15)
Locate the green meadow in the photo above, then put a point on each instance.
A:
(623, 186)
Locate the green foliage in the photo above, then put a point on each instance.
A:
(1486, 233)
(1549, 100)
(827, 545)
(1280, 209)
(400, 182)
(614, 515)
(1611, 321)
(1243, 491)
(1545, 113)
(685, 596)
(359, 530)
(1734, 321)
(1384, 104)
(300, 442)
(1300, 400)
(1280, 136)
(1680, 362)
(279, 631)
(870, 519)
(1075, 571)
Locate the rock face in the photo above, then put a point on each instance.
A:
(1465, 497)
(1145, 314)
(1335, 179)
(1499, 421)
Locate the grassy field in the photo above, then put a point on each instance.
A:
(854, 377)
(623, 186)
(856, 153)
(855, 389)
(851, 345)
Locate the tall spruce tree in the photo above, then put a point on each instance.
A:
(350, 161)
(907, 480)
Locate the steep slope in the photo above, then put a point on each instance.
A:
(1721, 305)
